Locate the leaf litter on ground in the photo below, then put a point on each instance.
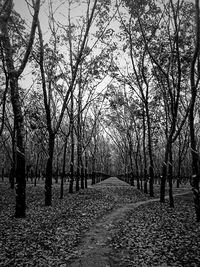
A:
(156, 235)
(48, 236)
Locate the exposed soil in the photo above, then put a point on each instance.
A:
(94, 249)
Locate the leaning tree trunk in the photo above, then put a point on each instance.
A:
(195, 162)
(13, 163)
(179, 165)
(19, 153)
(20, 210)
(195, 171)
(13, 75)
(194, 153)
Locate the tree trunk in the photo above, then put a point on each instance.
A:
(151, 167)
(137, 172)
(57, 172)
(62, 185)
(170, 179)
(13, 163)
(20, 208)
(63, 170)
(93, 178)
(13, 75)
(49, 166)
(164, 174)
(144, 152)
(36, 169)
(131, 162)
(78, 157)
(151, 179)
(195, 167)
(145, 181)
(20, 211)
(93, 171)
(132, 183)
(12, 176)
(82, 175)
(78, 175)
(79, 134)
(194, 152)
(86, 172)
(179, 166)
(71, 183)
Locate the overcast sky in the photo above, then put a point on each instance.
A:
(61, 11)
(21, 7)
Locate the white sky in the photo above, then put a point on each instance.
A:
(61, 14)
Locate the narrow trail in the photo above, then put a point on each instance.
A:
(93, 250)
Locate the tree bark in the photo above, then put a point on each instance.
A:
(49, 166)
(82, 175)
(179, 165)
(36, 169)
(163, 177)
(93, 171)
(131, 164)
(165, 164)
(78, 175)
(144, 151)
(71, 183)
(151, 167)
(194, 153)
(13, 75)
(170, 179)
(137, 170)
(63, 169)
(86, 171)
(12, 176)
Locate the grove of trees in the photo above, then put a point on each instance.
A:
(97, 88)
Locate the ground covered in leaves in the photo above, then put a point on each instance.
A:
(48, 236)
(149, 235)
(156, 235)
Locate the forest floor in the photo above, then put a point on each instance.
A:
(109, 224)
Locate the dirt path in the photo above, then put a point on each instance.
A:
(93, 250)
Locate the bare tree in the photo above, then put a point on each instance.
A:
(47, 85)
(13, 75)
